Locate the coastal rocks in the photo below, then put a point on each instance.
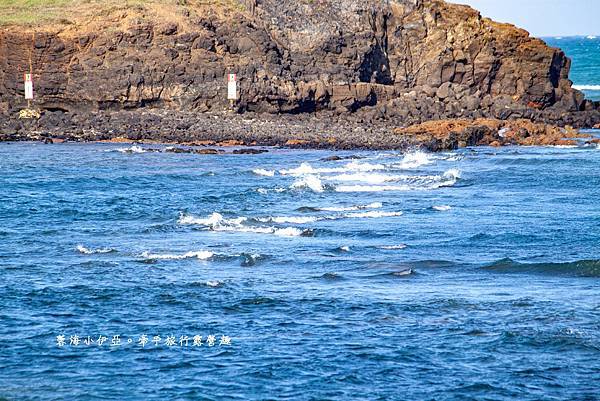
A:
(249, 151)
(215, 133)
(451, 134)
(207, 151)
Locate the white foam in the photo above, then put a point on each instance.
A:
(263, 172)
(591, 37)
(311, 182)
(415, 183)
(203, 255)
(345, 248)
(414, 160)
(452, 173)
(304, 168)
(442, 208)
(132, 149)
(88, 251)
(216, 222)
(243, 229)
(587, 87)
(214, 283)
(454, 158)
(393, 247)
(288, 232)
(213, 219)
(406, 272)
(265, 191)
(365, 167)
(372, 214)
(289, 219)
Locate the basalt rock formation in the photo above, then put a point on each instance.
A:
(402, 61)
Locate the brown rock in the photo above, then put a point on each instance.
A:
(230, 142)
(462, 132)
(296, 142)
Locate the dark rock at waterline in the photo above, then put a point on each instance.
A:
(206, 151)
(178, 150)
(249, 151)
(339, 158)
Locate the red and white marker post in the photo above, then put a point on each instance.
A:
(232, 89)
(28, 88)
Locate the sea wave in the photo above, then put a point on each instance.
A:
(414, 160)
(413, 183)
(216, 222)
(288, 219)
(353, 166)
(372, 214)
(580, 268)
(263, 172)
(90, 251)
(587, 87)
(441, 208)
(202, 255)
(132, 149)
(212, 220)
(311, 182)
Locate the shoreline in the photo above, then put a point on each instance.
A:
(308, 131)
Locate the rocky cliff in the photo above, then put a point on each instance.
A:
(403, 61)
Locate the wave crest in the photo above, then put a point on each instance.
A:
(89, 251)
(202, 255)
(263, 172)
(414, 160)
(216, 222)
(311, 182)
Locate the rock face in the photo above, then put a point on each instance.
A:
(406, 61)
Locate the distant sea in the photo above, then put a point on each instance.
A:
(585, 53)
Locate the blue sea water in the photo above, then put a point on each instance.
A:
(464, 275)
(585, 54)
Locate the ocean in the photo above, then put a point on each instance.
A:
(137, 275)
(584, 51)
